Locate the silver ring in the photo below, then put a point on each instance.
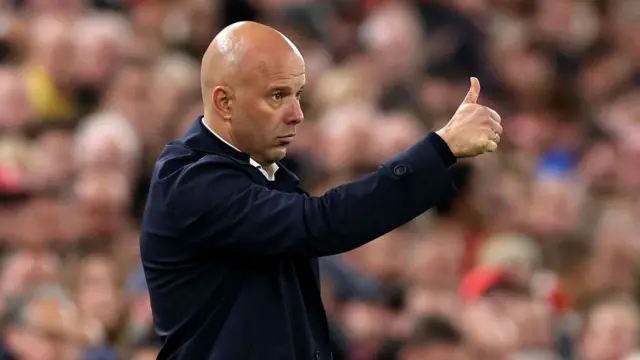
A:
(495, 136)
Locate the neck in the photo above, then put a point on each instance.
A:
(219, 129)
(222, 130)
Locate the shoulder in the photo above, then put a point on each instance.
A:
(183, 174)
(208, 180)
(212, 168)
(178, 163)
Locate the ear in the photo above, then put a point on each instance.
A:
(222, 101)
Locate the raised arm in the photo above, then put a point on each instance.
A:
(232, 213)
(217, 206)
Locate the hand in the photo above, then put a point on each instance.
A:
(474, 129)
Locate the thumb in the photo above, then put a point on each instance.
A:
(474, 92)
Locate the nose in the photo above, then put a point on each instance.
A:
(295, 114)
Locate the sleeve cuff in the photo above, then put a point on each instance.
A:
(442, 149)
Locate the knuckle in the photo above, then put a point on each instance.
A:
(494, 115)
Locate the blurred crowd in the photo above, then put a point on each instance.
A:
(534, 259)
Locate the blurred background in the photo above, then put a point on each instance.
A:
(535, 259)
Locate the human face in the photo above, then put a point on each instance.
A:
(98, 291)
(267, 108)
(38, 343)
(47, 332)
(437, 352)
(611, 333)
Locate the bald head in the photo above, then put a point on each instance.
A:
(252, 77)
(238, 51)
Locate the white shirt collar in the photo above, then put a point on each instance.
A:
(271, 176)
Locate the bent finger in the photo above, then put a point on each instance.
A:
(496, 127)
(494, 115)
(492, 146)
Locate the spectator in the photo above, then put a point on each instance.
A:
(45, 325)
(611, 329)
(434, 338)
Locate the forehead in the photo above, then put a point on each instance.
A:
(49, 314)
(283, 70)
(612, 316)
(613, 312)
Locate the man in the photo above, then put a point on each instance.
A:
(611, 329)
(44, 325)
(229, 242)
(434, 338)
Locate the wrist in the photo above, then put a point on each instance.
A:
(442, 149)
(444, 135)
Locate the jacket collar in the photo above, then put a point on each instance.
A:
(199, 137)
(268, 173)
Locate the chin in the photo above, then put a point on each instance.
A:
(278, 154)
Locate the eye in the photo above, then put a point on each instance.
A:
(276, 96)
(298, 95)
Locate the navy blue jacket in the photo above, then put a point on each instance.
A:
(230, 257)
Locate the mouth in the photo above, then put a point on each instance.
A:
(287, 138)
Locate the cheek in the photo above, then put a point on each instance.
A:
(252, 117)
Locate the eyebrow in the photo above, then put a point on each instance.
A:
(285, 88)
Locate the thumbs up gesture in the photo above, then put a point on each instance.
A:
(474, 129)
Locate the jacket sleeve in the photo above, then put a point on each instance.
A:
(233, 213)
